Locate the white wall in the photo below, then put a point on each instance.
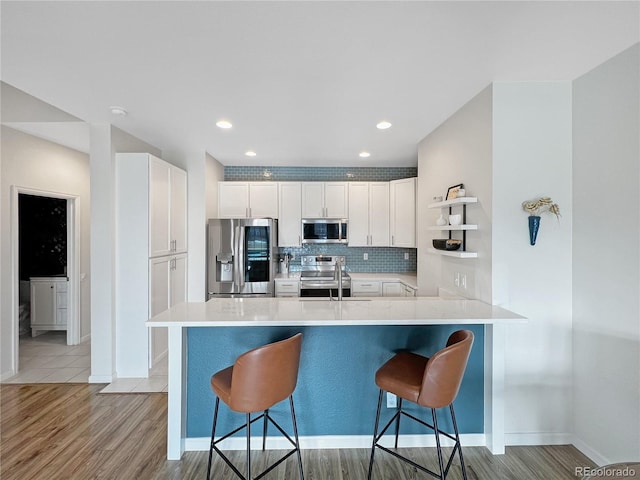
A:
(531, 159)
(458, 151)
(510, 143)
(606, 259)
(31, 162)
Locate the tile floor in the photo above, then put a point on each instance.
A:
(48, 359)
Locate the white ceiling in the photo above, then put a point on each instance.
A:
(304, 83)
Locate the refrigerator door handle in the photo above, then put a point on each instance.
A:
(241, 255)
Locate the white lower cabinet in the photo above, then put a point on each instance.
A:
(287, 288)
(167, 287)
(365, 288)
(392, 289)
(49, 300)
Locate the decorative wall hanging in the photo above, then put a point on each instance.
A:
(534, 209)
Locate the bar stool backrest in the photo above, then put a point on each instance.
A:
(444, 371)
(266, 375)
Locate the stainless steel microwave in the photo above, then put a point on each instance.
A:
(324, 230)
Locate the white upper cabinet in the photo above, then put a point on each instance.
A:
(247, 199)
(263, 199)
(178, 219)
(290, 214)
(325, 199)
(167, 208)
(368, 214)
(403, 212)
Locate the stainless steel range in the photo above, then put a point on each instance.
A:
(319, 277)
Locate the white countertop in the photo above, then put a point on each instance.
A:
(247, 312)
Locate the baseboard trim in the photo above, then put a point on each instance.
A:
(100, 378)
(592, 453)
(541, 438)
(86, 338)
(7, 375)
(196, 444)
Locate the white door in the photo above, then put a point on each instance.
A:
(336, 199)
(179, 209)
(263, 200)
(233, 199)
(290, 214)
(313, 200)
(358, 228)
(159, 269)
(159, 201)
(378, 214)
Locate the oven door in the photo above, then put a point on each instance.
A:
(317, 289)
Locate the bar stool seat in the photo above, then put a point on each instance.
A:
(429, 382)
(258, 380)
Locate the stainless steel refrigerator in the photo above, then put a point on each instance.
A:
(242, 257)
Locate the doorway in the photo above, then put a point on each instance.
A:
(45, 263)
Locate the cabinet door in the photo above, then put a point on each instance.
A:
(159, 201)
(378, 214)
(313, 200)
(290, 214)
(233, 199)
(158, 303)
(178, 280)
(403, 212)
(336, 199)
(263, 200)
(358, 228)
(365, 288)
(42, 303)
(392, 289)
(179, 209)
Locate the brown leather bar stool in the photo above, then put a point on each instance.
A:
(430, 382)
(258, 379)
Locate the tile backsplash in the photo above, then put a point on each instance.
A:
(317, 174)
(381, 259)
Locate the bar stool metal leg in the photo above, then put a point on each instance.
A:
(459, 445)
(295, 433)
(213, 436)
(264, 429)
(375, 435)
(248, 446)
(437, 432)
(398, 420)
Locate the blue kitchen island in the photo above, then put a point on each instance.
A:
(344, 343)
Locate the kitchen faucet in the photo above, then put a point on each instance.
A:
(338, 273)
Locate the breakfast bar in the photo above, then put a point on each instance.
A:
(344, 342)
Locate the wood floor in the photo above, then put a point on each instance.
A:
(70, 431)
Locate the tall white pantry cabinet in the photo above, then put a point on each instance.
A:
(151, 256)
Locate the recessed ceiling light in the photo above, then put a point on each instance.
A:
(364, 154)
(383, 125)
(250, 153)
(118, 111)
(223, 124)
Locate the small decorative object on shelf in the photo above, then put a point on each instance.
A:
(452, 192)
(446, 243)
(534, 209)
(441, 221)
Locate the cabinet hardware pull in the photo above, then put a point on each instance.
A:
(393, 240)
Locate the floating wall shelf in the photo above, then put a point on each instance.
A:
(456, 202)
(453, 253)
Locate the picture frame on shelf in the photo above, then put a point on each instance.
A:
(452, 192)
